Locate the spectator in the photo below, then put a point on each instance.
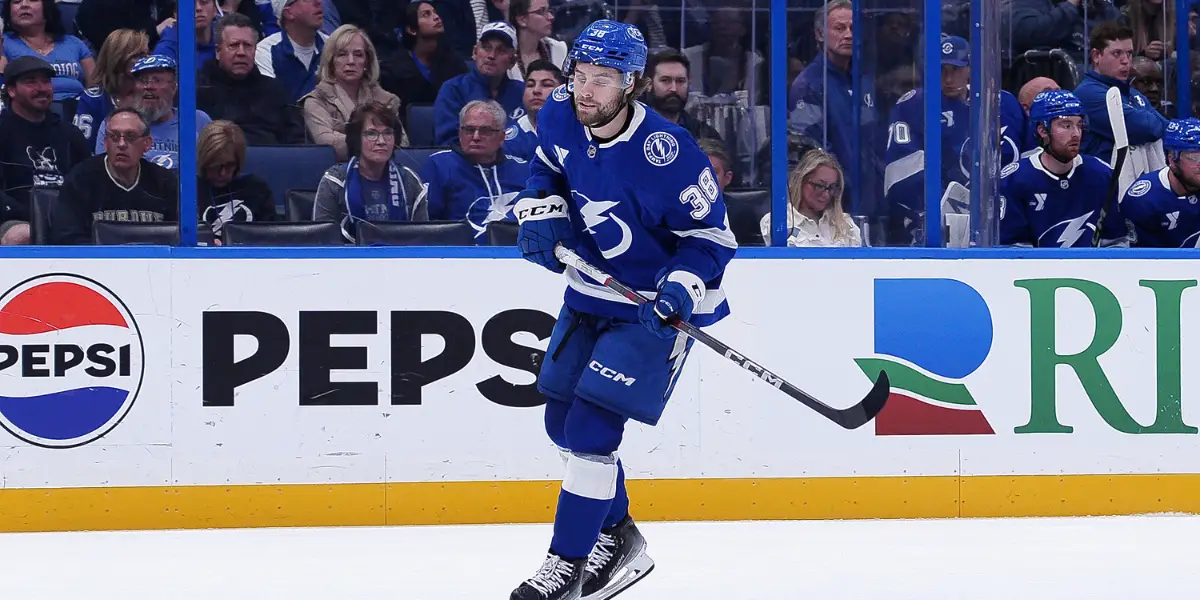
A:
(534, 21)
(293, 54)
(722, 164)
(722, 65)
(520, 139)
(231, 88)
(371, 187)
(349, 78)
(117, 87)
(37, 148)
(487, 79)
(1042, 24)
(670, 82)
(223, 193)
(168, 46)
(333, 19)
(1112, 58)
(475, 180)
(35, 28)
(119, 185)
(1153, 25)
(382, 21)
(815, 216)
(1032, 88)
(647, 16)
(417, 71)
(97, 19)
(821, 107)
(466, 19)
(156, 85)
(1148, 79)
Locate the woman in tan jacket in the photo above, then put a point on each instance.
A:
(348, 78)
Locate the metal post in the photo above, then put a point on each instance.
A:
(933, 123)
(779, 132)
(1183, 59)
(187, 123)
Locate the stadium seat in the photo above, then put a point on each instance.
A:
(1055, 64)
(299, 205)
(41, 201)
(502, 233)
(420, 233)
(289, 167)
(420, 125)
(265, 233)
(746, 208)
(117, 233)
(414, 157)
(67, 11)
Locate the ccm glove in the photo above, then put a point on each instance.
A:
(679, 293)
(544, 223)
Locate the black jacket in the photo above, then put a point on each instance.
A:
(98, 18)
(401, 76)
(257, 103)
(246, 198)
(1044, 24)
(34, 155)
(383, 20)
(90, 195)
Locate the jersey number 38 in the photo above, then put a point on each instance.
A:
(702, 195)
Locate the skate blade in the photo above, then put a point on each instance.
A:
(630, 574)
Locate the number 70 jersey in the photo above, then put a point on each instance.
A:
(644, 203)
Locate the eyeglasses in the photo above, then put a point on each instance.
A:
(119, 136)
(832, 189)
(155, 80)
(543, 11)
(483, 131)
(375, 136)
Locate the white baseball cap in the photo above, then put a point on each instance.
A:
(501, 29)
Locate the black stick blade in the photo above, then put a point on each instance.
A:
(862, 413)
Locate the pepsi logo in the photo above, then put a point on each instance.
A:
(71, 360)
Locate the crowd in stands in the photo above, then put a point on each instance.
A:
(426, 110)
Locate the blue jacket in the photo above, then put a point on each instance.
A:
(1143, 124)
(168, 45)
(276, 57)
(481, 194)
(458, 91)
(520, 139)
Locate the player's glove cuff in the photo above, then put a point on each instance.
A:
(540, 209)
(691, 283)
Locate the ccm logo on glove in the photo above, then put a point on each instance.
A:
(537, 209)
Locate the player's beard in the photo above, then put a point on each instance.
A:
(604, 113)
(1190, 184)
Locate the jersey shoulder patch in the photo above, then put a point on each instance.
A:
(510, 133)
(1010, 169)
(907, 96)
(94, 92)
(661, 148)
(560, 93)
(1139, 188)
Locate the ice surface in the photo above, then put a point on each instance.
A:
(1126, 558)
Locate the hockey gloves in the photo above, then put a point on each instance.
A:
(679, 292)
(544, 224)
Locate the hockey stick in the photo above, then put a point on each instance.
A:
(1116, 117)
(849, 418)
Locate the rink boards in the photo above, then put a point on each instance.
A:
(153, 389)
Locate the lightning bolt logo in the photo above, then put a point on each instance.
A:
(1075, 229)
(593, 215)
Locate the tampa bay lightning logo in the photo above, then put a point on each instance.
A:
(661, 148)
(510, 133)
(485, 210)
(165, 161)
(1140, 188)
(594, 216)
(635, 33)
(561, 94)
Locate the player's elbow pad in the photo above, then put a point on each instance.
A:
(540, 209)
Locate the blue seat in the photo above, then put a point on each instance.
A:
(420, 125)
(414, 158)
(289, 167)
(67, 10)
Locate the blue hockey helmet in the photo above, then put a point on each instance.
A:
(1182, 135)
(1053, 104)
(610, 44)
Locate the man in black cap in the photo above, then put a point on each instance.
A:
(37, 147)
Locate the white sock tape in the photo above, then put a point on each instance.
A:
(591, 476)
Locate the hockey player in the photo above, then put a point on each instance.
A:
(1162, 205)
(1052, 198)
(631, 193)
(903, 180)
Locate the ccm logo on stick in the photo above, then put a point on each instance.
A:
(408, 369)
(611, 374)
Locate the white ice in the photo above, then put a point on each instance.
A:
(1126, 558)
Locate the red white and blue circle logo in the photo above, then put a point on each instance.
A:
(71, 360)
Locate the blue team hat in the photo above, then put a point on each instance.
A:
(1053, 104)
(610, 44)
(152, 62)
(1182, 135)
(956, 51)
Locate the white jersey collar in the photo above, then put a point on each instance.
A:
(639, 115)
(1036, 159)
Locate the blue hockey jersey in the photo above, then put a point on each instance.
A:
(460, 189)
(94, 106)
(640, 203)
(903, 179)
(520, 139)
(1041, 209)
(1014, 139)
(1160, 217)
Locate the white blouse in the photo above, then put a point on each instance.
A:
(805, 232)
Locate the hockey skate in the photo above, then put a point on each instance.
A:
(557, 579)
(618, 560)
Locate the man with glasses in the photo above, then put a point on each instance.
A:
(155, 86)
(475, 180)
(1164, 206)
(119, 185)
(1052, 198)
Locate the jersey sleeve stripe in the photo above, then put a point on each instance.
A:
(721, 237)
(546, 161)
(708, 305)
(902, 169)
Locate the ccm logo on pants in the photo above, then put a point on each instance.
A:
(611, 374)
